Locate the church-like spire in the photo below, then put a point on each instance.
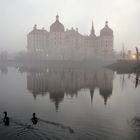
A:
(57, 17)
(92, 29)
(106, 23)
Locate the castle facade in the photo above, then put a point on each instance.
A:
(59, 43)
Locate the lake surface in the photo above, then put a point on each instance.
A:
(71, 104)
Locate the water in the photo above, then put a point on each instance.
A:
(71, 103)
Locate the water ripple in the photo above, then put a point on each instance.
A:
(19, 130)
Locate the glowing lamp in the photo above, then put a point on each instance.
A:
(133, 56)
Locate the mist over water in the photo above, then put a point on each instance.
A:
(69, 70)
(70, 103)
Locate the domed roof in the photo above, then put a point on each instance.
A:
(106, 31)
(57, 26)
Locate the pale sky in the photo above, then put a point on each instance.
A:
(17, 18)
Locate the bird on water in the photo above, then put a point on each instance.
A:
(34, 119)
(6, 119)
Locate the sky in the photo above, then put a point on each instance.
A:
(17, 18)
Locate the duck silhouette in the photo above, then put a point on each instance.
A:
(6, 119)
(34, 119)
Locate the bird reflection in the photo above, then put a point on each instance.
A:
(6, 119)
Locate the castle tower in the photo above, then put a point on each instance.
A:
(57, 34)
(37, 39)
(106, 39)
(92, 32)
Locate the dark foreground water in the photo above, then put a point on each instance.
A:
(71, 104)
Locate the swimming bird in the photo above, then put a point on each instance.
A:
(34, 119)
(6, 119)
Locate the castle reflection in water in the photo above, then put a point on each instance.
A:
(59, 82)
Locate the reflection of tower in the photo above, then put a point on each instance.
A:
(92, 94)
(56, 97)
(106, 84)
(36, 84)
(41, 82)
(105, 93)
(93, 84)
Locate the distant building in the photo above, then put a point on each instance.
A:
(61, 44)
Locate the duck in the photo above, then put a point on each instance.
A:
(34, 119)
(6, 119)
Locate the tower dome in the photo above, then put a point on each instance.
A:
(106, 31)
(57, 26)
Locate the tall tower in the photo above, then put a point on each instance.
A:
(57, 33)
(106, 39)
(92, 38)
(37, 39)
(92, 32)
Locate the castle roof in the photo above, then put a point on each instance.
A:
(38, 31)
(92, 32)
(106, 31)
(57, 26)
(73, 32)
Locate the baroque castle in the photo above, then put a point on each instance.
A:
(68, 44)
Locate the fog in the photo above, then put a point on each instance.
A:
(18, 17)
(69, 69)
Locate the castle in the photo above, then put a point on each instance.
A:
(68, 44)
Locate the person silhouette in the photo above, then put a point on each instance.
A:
(34, 119)
(6, 119)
